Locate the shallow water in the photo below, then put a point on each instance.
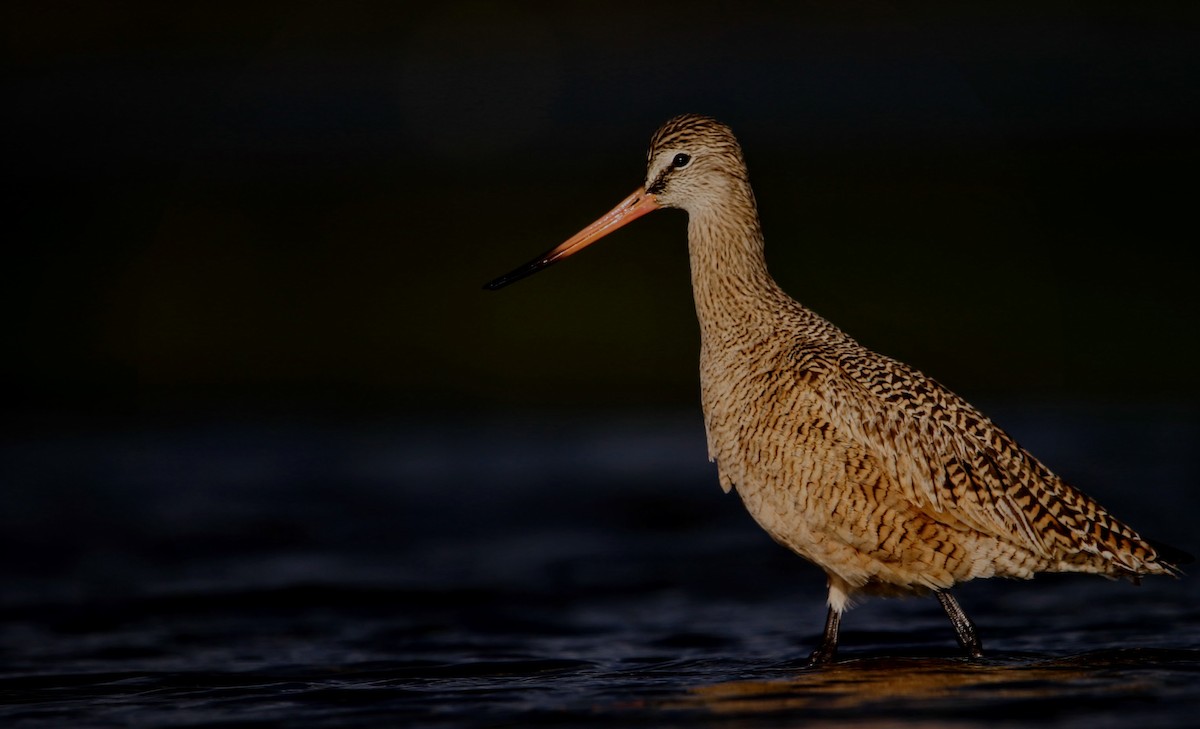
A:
(546, 571)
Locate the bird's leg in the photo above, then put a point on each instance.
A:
(829, 642)
(964, 629)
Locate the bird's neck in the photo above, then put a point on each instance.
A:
(734, 292)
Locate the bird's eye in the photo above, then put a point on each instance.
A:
(681, 160)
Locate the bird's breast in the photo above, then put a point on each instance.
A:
(755, 409)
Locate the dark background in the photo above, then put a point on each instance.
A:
(269, 455)
(256, 207)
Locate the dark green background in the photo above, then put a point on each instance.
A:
(293, 206)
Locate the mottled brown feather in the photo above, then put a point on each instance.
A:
(876, 473)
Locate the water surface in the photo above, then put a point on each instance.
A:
(545, 571)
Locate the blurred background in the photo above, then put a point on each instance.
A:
(260, 417)
(291, 207)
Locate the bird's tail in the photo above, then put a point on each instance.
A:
(1170, 557)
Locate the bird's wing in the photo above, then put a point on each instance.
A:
(957, 466)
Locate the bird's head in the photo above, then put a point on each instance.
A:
(692, 161)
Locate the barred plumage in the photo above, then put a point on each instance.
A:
(876, 473)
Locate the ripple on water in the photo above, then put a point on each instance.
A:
(1003, 688)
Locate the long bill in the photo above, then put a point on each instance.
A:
(626, 211)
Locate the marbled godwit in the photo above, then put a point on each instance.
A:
(874, 472)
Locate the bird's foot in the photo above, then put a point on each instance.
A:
(973, 650)
(964, 629)
(823, 655)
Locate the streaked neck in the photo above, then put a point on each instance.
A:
(730, 282)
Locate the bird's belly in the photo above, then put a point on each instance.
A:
(821, 502)
(864, 547)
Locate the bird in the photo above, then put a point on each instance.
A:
(864, 466)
